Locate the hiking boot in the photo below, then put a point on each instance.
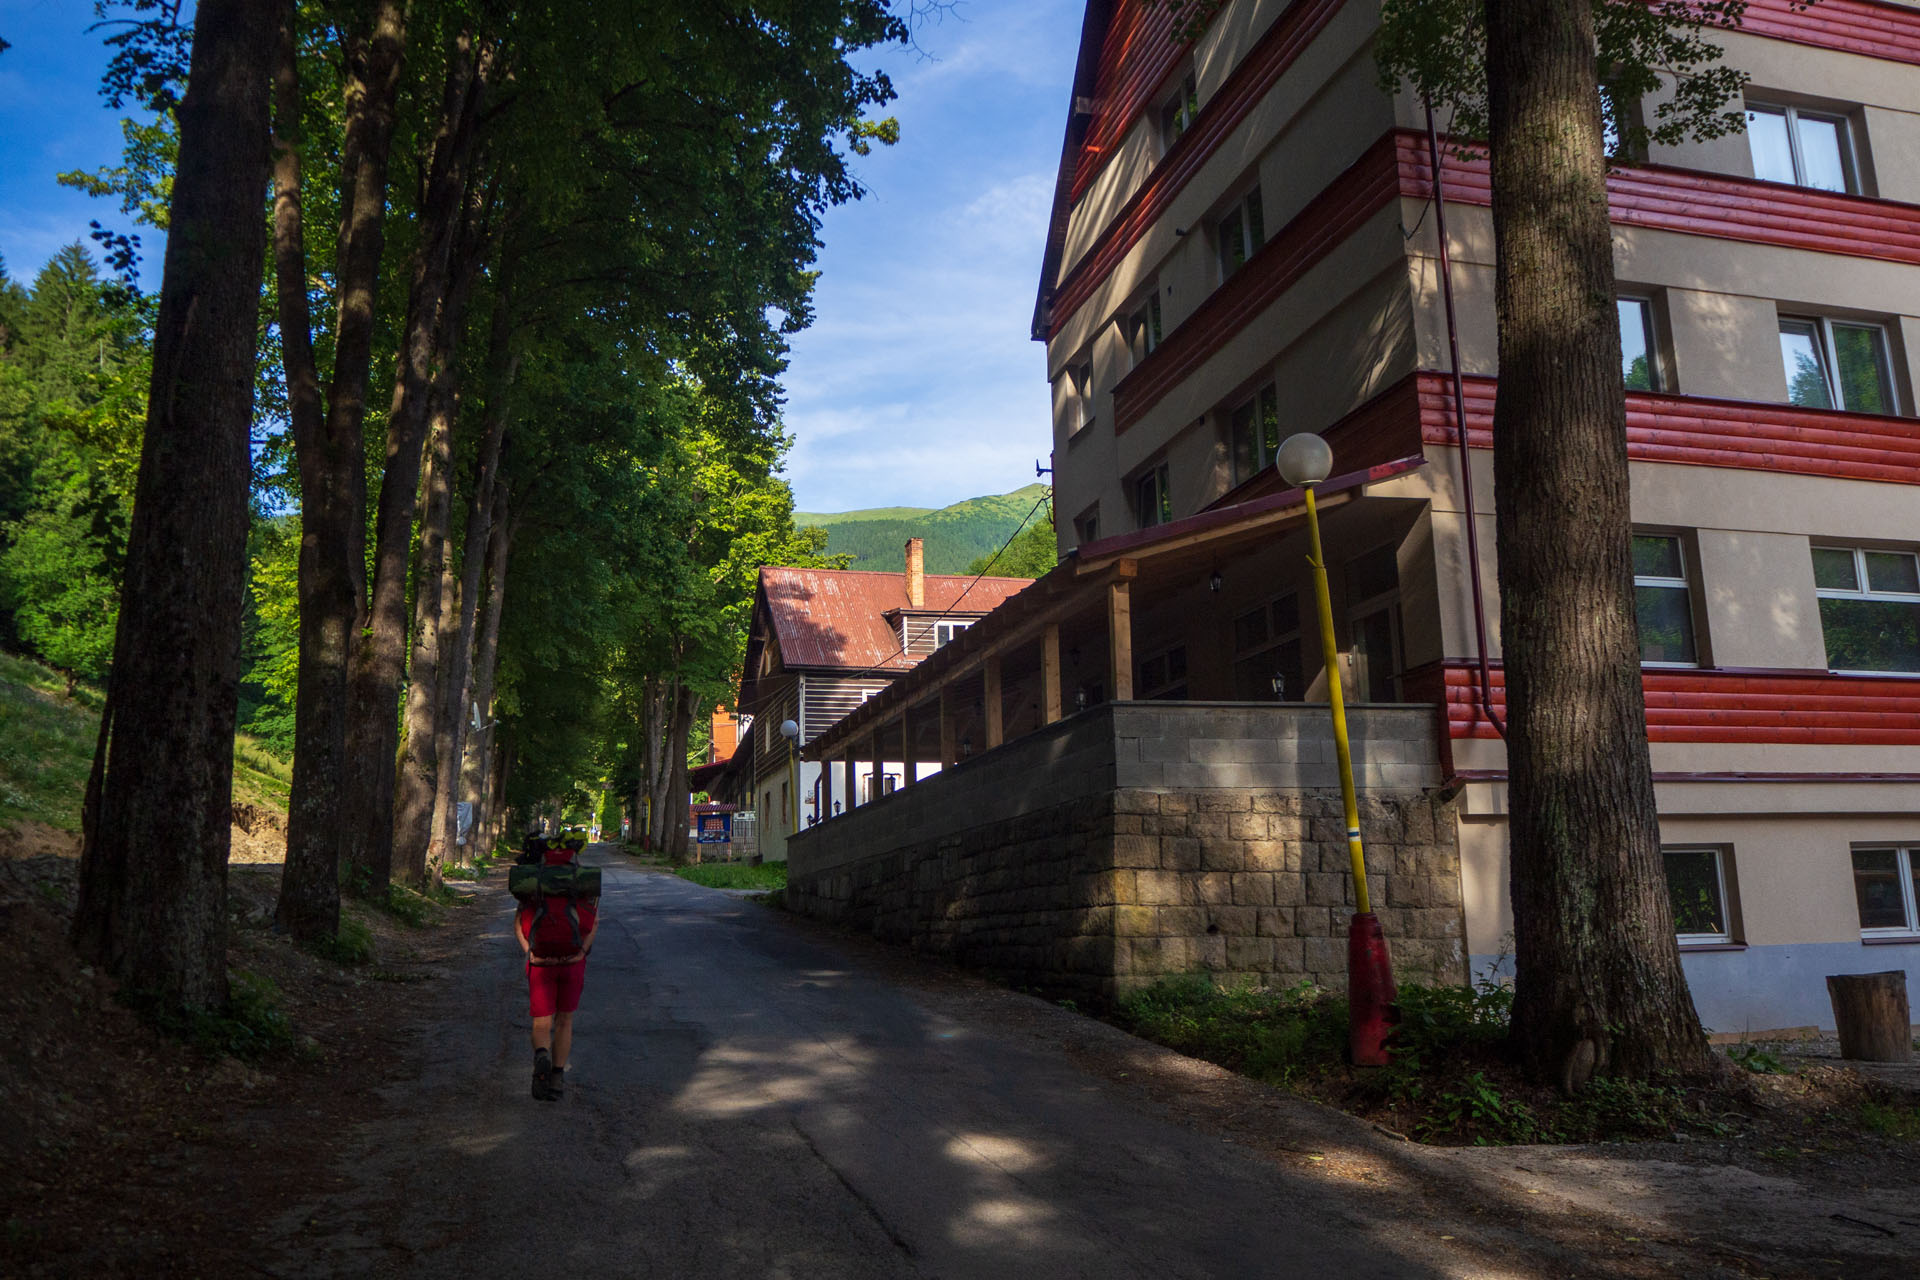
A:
(542, 1074)
(557, 1086)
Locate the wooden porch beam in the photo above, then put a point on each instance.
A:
(990, 678)
(949, 728)
(1050, 673)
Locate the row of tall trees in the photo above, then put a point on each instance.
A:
(464, 360)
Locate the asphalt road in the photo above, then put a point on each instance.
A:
(749, 1098)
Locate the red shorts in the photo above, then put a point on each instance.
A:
(555, 988)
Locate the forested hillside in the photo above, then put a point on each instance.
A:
(956, 536)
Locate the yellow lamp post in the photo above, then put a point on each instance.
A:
(1305, 460)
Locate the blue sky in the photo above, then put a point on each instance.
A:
(917, 384)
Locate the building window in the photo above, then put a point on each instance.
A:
(1240, 233)
(1086, 525)
(1178, 110)
(1639, 350)
(1805, 148)
(1152, 505)
(1266, 648)
(1869, 608)
(1886, 886)
(1697, 891)
(1255, 431)
(1163, 677)
(1078, 396)
(1663, 600)
(945, 633)
(1837, 364)
(1373, 615)
(1143, 328)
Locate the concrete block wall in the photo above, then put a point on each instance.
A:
(1134, 841)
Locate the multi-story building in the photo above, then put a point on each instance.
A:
(1245, 244)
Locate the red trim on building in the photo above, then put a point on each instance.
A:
(1662, 198)
(1140, 51)
(1886, 31)
(1230, 104)
(1699, 431)
(1815, 709)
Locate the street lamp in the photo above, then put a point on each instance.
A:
(1304, 461)
(791, 732)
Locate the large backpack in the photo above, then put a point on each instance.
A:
(554, 888)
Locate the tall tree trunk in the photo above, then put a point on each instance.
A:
(679, 725)
(482, 794)
(419, 750)
(1598, 988)
(152, 906)
(458, 648)
(309, 903)
(379, 658)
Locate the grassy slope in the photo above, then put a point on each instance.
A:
(955, 535)
(823, 519)
(46, 750)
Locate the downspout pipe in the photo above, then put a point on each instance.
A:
(1484, 689)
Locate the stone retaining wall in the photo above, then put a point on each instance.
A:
(1137, 840)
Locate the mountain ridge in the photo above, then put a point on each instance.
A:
(955, 535)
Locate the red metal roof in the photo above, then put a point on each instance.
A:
(838, 617)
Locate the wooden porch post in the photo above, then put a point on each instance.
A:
(1050, 673)
(949, 730)
(907, 768)
(990, 680)
(846, 778)
(1120, 639)
(879, 766)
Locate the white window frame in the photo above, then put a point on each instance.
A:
(1160, 510)
(1086, 525)
(1684, 583)
(1719, 853)
(1079, 376)
(1830, 358)
(1650, 327)
(1849, 165)
(1262, 458)
(945, 633)
(1178, 110)
(1243, 205)
(1864, 591)
(1145, 329)
(1904, 856)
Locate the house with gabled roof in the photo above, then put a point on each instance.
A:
(821, 643)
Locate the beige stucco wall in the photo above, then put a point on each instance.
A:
(1757, 593)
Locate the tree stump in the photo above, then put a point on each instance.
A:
(1870, 1009)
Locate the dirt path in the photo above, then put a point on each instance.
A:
(753, 1095)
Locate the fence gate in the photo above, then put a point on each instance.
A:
(746, 835)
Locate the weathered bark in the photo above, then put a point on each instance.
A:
(379, 658)
(153, 872)
(419, 758)
(483, 793)
(309, 903)
(674, 802)
(459, 638)
(1598, 989)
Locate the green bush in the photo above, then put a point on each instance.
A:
(408, 906)
(1479, 1106)
(251, 1026)
(352, 945)
(1441, 1027)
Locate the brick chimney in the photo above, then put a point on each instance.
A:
(916, 574)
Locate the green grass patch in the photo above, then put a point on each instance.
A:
(1271, 1034)
(409, 906)
(1891, 1119)
(47, 750)
(736, 875)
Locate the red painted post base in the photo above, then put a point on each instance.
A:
(1370, 991)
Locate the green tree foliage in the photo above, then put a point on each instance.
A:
(1659, 53)
(73, 372)
(1032, 553)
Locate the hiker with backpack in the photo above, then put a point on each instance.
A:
(555, 923)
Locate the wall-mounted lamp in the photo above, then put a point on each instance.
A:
(1080, 699)
(1215, 582)
(1279, 683)
(966, 746)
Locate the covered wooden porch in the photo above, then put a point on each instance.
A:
(1142, 616)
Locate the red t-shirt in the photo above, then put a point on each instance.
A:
(553, 936)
